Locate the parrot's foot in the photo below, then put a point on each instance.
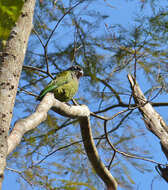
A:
(75, 102)
(68, 104)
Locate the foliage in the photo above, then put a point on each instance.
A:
(108, 52)
(9, 13)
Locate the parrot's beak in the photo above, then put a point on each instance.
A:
(80, 74)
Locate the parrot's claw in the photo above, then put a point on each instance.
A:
(75, 102)
(67, 103)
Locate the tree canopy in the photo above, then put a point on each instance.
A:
(93, 35)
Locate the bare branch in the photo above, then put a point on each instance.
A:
(112, 89)
(54, 151)
(52, 32)
(125, 105)
(124, 153)
(93, 156)
(154, 122)
(35, 69)
(21, 175)
(82, 113)
(38, 36)
(61, 20)
(27, 92)
(24, 125)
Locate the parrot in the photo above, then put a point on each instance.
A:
(64, 85)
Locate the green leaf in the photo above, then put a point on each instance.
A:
(72, 184)
(9, 13)
(127, 173)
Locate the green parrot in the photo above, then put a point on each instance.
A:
(65, 84)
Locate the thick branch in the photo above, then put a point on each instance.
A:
(93, 156)
(24, 125)
(152, 119)
(82, 112)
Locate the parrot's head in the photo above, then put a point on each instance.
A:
(77, 70)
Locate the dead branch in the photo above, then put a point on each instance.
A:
(153, 121)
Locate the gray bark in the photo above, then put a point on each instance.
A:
(82, 113)
(153, 121)
(11, 61)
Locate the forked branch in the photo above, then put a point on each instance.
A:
(82, 113)
(154, 122)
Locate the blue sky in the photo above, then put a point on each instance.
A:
(121, 12)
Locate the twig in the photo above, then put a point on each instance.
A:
(21, 175)
(46, 60)
(27, 92)
(35, 69)
(135, 62)
(54, 151)
(157, 94)
(98, 116)
(124, 105)
(38, 36)
(111, 161)
(60, 21)
(112, 89)
(108, 118)
(126, 154)
(49, 38)
(115, 128)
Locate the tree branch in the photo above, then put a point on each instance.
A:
(82, 113)
(24, 125)
(154, 122)
(93, 156)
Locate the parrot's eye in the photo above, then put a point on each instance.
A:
(78, 68)
(75, 68)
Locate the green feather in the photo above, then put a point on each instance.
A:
(64, 86)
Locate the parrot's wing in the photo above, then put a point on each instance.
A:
(61, 79)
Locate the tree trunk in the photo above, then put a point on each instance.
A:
(11, 61)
